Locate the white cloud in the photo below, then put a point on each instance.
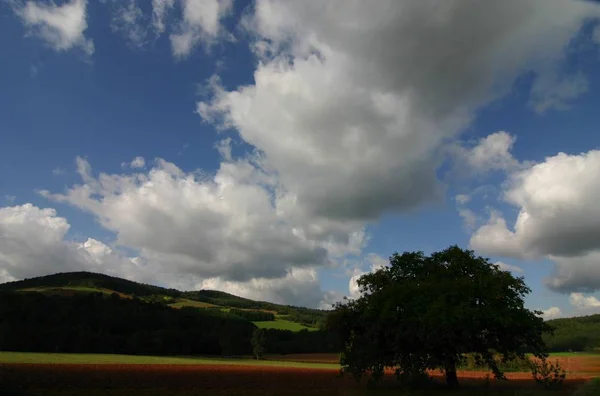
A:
(299, 287)
(578, 300)
(128, 19)
(201, 23)
(138, 162)
(160, 10)
(353, 128)
(32, 243)
(375, 262)
(508, 267)
(558, 214)
(62, 27)
(9, 198)
(575, 274)
(552, 92)
(491, 153)
(551, 313)
(495, 239)
(236, 225)
(558, 218)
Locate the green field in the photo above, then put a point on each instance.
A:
(90, 358)
(281, 324)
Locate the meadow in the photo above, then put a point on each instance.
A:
(282, 324)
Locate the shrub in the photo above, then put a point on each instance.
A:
(590, 388)
(551, 376)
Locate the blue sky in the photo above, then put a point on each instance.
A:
(279, 149)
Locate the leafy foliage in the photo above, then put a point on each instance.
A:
(591, 388)
(551, 376)
(425, 312)
(259, 341)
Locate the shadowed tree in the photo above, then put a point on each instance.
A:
(425, 312)
(259, 340)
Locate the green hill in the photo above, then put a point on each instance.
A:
(70, 283)
(576, 334)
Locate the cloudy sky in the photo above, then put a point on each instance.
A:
(279, 149)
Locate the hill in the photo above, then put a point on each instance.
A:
(69, 283)
(95, 313)
(576, 334)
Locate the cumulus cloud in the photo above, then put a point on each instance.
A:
(354, 128)
(138, 162)
(558, 218)
(128, 19)
(575, 274)
(374, 262)
(300, 287)
(495, 239)
(558, 213)
(236, 225)
(491, 153)
(61, 27)
(32, 243)
(551, 313)
(508, 267)
(201, 23)
(578, 300)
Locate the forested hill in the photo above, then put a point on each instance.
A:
(90, 280)
(580, 333)
(81, 282)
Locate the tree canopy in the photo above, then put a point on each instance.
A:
(426, 312)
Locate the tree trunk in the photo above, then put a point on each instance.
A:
(451, 377)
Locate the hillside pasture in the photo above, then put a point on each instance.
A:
(282, 324)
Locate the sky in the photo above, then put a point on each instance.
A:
(278, 150)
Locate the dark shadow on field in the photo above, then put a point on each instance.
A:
(117, 380)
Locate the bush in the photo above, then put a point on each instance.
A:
(551, 376)
(590, 388)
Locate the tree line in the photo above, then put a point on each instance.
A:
(577, 334)
(100, 323)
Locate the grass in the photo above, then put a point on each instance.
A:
(91, 358)
(281, 324)
(574, 354)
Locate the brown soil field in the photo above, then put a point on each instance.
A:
(108, 379)
(575, 365)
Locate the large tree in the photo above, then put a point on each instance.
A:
(426, 312)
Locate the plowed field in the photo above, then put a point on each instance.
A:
(206, 379)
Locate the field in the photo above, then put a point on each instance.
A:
(282, 324)
(65, 374)
(191, 303)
